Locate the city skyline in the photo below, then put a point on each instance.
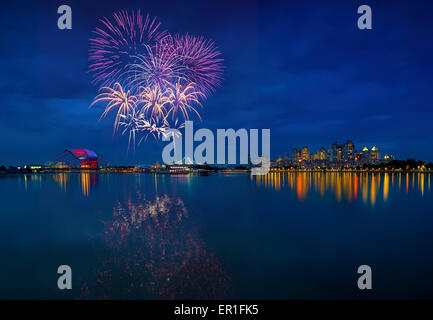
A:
(344, 155)
(337, 152)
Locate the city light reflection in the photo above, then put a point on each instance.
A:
(62, 180)
(344, 186)
(85, 182)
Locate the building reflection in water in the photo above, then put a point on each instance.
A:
(345, 186)
(31, 181)
(150, 251)
(62, 180)
(85, 180)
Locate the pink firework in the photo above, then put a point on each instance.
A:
(117, 43)
(200, 61)
(159, 67)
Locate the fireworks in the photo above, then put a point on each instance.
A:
(153, 80)
(154, 100)
(116, 97)
(159, 67)
(118, 41)
(183, 99)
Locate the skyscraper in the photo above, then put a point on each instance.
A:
(336, 152)
(295, 155)
(305, 154)
(323, 154)
(374, 155)
(348, 150)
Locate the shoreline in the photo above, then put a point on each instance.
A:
(209, 172)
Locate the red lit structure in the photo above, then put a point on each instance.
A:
(76, 158)
(87, 158)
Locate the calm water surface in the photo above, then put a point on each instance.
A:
(279, 236)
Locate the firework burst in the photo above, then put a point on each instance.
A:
(153, 127)
(154, 102)
(160, 67)
(164, 78)
(183, 99)
(200, 61)
(134, 124)
(118, 41)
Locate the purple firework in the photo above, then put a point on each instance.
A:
(199, 60)
(118, 42)
(159, 67)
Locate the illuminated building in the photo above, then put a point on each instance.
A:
(348, 150)
(305, 154)
(340, 155)
(322, 154)
(336, 152)
(343, 152)
(374, 155)
(179, 168)
(388, 158)
(76, 158)
(295, 155)
(34, 167)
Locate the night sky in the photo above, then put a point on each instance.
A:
(301, 68)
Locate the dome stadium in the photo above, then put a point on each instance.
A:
(77, 158)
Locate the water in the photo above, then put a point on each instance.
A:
(281, 236)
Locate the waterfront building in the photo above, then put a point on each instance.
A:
(336, 152)
(348, 150)
(34, 167)
(77, 158)
(340, 155)
(388, 158)
(305, 154)
(323, 154)
(286, 160)
(343, 152)
(374, 155)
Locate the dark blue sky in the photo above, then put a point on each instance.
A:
(301, 68)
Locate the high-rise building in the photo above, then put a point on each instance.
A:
(343, 152)
(369, 156)
(305, 154)
(323, 154)
(336, 152)
(348, 150)
(339, 155)
(362, 157)
(286, 160)
(295, 155)
(374, 154)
